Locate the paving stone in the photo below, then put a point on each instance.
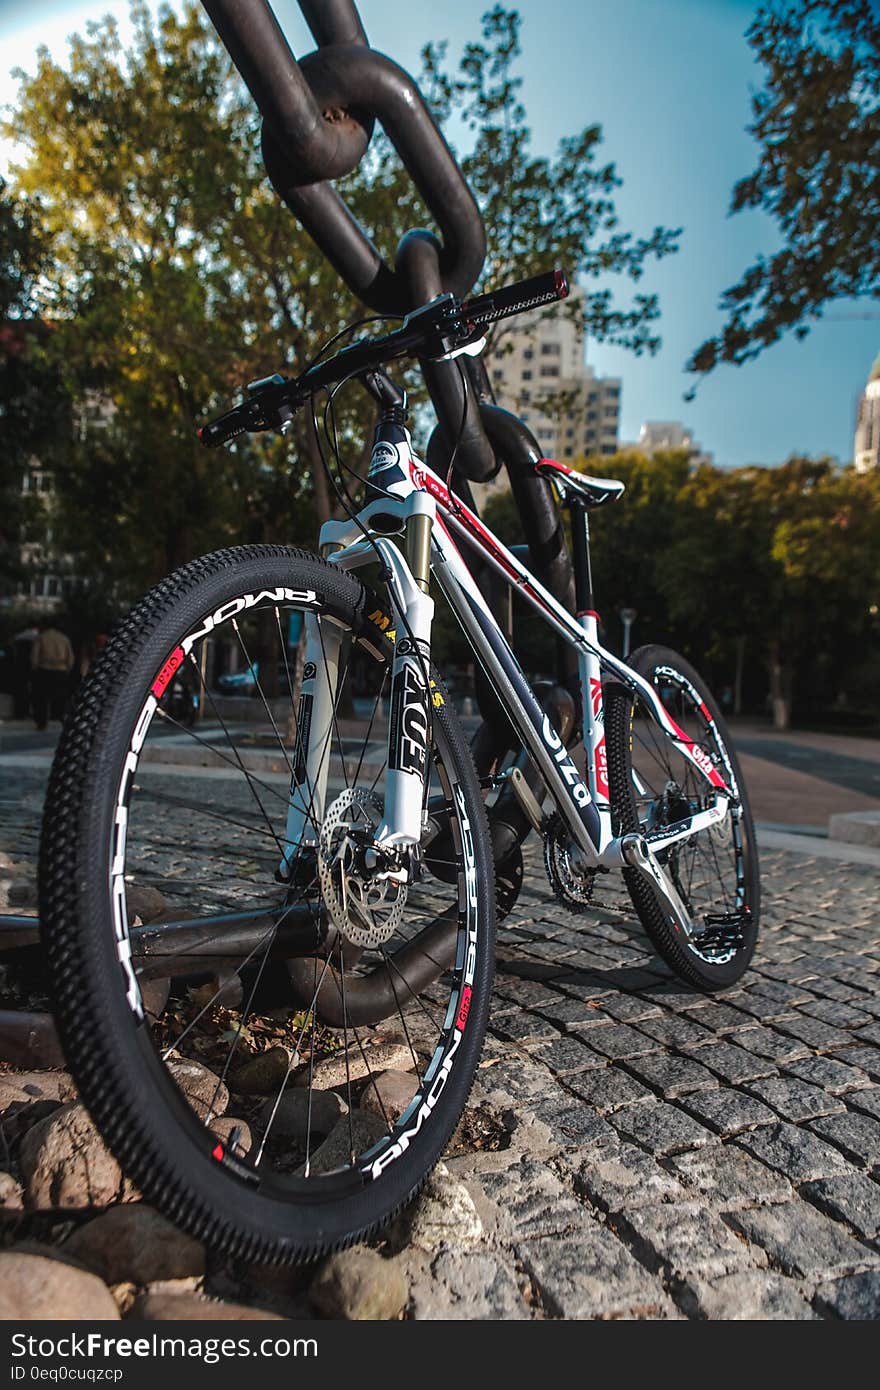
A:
(800, 1240)
(798, 1154)
(855, 1298)
(866, 1058)
(832, 1074)
(524, 1027)
(837, 1013)
(677, 1239)
(609, 1089)
(574, 1015)
(729, 1177)
(728, 1112)
(857, 1136)
(467, 1285)
(675, 1030)
(567, 1056)
(734, 1063)
(624, 1177)
(780, 990)
(672, 1076)
(795, 1100)
(722, 1019)
(870, 1034)
(572, 1123)
(854, 1199)
(766, 1042)
(818, 1036)
(628, 1008)
(868, 1102)
(662, 1128)
(591, 1275)
(620, 1041)
(747, 1295)
(759, 1008)
(531, 1201)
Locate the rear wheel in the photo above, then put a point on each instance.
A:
(324, 1022)
(652, 786)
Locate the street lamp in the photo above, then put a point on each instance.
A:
(627, 617)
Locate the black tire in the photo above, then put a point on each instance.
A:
(717, 871)
(140, 1110)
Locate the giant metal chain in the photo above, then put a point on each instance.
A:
(318, 117)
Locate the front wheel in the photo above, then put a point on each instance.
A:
(324, 1021)
(652, 786)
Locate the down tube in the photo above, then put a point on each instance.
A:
(534, 727)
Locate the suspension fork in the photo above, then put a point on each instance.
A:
(314, 733)
(409, 722)
(412, 698)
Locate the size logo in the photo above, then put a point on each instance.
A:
(408, 741)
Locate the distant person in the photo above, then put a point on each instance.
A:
(51, 665)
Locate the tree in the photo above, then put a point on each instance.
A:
(175, 274)
(34, 410)
(818, 123)
(543, 212)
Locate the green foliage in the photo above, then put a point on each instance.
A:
(785, 560)
(818, 123)
(543, 212)
(172, 274)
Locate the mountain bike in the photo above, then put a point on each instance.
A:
(320, 889)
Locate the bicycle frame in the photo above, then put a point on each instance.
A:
(412, 490)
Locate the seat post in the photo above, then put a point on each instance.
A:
(580, 544)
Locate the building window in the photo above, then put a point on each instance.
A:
(550, 350)
(549, 371)
(527, 375)
(528, 354)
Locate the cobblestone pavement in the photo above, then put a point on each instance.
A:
(667, 1154)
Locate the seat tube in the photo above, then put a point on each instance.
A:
(314, 734)
(589, 667)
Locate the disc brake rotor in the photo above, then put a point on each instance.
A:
(364, 905)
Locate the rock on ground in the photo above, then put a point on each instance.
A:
(264, 1074)
(389, 1095)
(133, 1243)
(204, 1091)
(360, 1286)
(65, 1163)
(444, 1214)
(355, 1133)
(33, 1287)
(29, 1096)
(375, 1058)
(165, 1307)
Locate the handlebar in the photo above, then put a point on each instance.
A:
(441, 327)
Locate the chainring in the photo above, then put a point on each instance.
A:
(571, 884)
(364, 906)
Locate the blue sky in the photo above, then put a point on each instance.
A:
(669, 81)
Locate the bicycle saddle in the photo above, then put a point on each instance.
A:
(593, 491)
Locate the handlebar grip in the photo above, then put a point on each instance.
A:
(516, 299)
(223, 429)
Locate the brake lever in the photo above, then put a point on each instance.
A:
(269, 407)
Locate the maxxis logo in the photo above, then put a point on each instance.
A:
(300, 598)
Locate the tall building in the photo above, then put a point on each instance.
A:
(670, 434)
(546, 356)
(867, 442)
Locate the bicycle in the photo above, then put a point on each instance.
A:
(310, 900)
